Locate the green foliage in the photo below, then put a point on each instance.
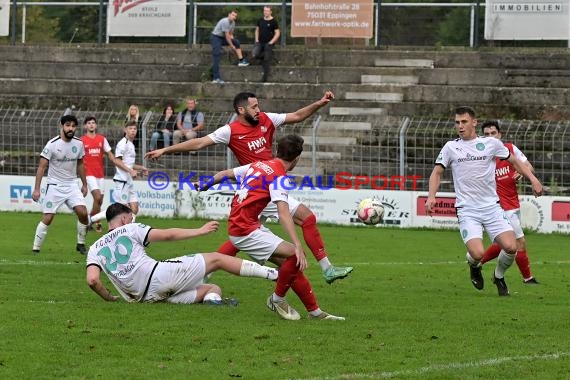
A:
(411, 314)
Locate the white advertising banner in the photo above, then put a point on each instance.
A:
(526, 20)
(146, 18)
(4, 17)
(402, 208)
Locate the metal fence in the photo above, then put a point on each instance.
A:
(339, 149)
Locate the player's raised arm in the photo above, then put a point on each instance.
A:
(185, 146)
(527, 173)
(307, 111)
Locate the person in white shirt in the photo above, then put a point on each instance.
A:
(125, 152)
(139, 278)
(62, 156)
(472, 162)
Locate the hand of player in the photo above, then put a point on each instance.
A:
(327, 97)
(113, 298)
(301, 258)
(198, 188)
(430, 202)
(537, 188)
(36, 195)
(154, 154)
(134, 173)
(211, 226)
(144, 171)
(84, 190)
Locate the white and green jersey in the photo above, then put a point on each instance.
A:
(120, 253)
(125, 150)
(63, 156)
(473, 167)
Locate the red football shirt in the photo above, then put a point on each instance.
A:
(250, 144)
(95, 149)
(506, 184)
(260, 183)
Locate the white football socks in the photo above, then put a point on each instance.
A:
(41, 232)
(503, 263)
(324, 263)
(251, 269)
(97, 217)
(81, 232)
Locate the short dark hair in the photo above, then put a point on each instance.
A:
(130, 123)
(115, 210)
(490, 123)
(465, 110)
(242, 99)
(89, 118)
(68, 118)
(290, 147)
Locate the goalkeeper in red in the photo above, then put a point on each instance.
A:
(506, 178)
(250, 138)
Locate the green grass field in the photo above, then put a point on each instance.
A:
(411, 312)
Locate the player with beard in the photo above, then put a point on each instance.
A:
(250, 137)
(63, 158)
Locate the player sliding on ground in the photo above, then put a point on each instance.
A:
(250, 137)
(139, 278)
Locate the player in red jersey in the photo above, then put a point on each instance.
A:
(260, 183)
(250, 137)
(506, 178)
(96, 146)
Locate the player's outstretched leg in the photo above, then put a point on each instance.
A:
(314, 240)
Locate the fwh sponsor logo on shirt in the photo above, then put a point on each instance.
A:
(20, 194)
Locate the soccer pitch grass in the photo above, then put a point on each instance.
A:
(411, 312)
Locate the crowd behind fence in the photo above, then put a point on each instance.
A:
(396, 146)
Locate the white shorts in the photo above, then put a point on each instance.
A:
(57, 194)
(94, 183)
(124, 193)
(270, 211)
(492, 219)
(259, 244)
(515, 219)
(175, 280)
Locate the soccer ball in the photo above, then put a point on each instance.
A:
(370, 211)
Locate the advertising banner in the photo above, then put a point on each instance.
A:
(4, 17)
(332, 18)
(526, 20)
(146, 18)
(401, 208)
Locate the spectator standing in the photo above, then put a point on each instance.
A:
(267, 33)
(188, 123)
(134, 115)
(164, 127)
(223, 35)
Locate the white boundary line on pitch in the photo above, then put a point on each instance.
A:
(444, 367)
(40, 263)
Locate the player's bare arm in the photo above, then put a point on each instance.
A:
(434, 182)
(81, 173)
(42, 166)
(121, 165)
(305, 112)
(527, 173)
(94, 281)
(171, 234)
(286, 221)
(218, 177)
(185, 146)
